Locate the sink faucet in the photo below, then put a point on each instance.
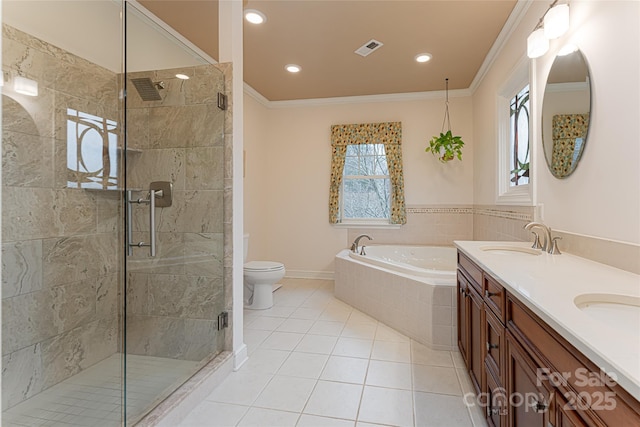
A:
(354, 246)
(547, 242)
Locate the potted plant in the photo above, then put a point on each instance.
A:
(446, 146)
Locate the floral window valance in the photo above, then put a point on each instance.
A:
(568, 134)
(387, 133)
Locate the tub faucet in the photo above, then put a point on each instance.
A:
(547, 242)
(354, 246)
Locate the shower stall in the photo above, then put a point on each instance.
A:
(114, 281)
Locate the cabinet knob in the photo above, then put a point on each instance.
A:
(491, 346)
(540, 407)
(488, 294)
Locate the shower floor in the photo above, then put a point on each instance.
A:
(93, 397)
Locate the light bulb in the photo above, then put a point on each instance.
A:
(293, 68)
(537, 44)
(423, 57)
(254, 16)
(556, 21)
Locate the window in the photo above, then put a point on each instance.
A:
(367, 185)
(514, 139)
(519, 138)
(366, 190)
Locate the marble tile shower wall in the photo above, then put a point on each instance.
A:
(59, 245)
(174, 299)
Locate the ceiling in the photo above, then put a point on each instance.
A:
(322, 35)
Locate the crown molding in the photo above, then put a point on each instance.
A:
(391, 97)
(516, 16)
(249, 90)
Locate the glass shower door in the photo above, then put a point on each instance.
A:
(61, 210)
(174, 156)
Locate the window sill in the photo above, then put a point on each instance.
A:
(518, 196)
(366, 225)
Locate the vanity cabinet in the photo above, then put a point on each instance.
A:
(470, 321)
(525, 372)
(530, 402)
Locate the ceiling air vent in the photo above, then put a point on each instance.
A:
(368, 47)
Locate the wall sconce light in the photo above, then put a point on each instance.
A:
(556, 23)
(25, 86)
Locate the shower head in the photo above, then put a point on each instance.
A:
(147, 89)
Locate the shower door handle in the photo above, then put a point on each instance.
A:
(129, 224)
(152, 222)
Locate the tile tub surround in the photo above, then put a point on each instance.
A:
(341, 368)
(548, 285)
(437, 225)
(57, 320)
(409, 304)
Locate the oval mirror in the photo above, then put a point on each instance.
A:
(566, 110)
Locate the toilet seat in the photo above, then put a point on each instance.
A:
(257, 266)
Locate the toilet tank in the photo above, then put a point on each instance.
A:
(246, 246)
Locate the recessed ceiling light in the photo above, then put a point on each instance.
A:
(182, 76)
(423, 57)
(293, 68)
(254, 16)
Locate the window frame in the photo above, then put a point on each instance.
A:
(365, 221)
(523, 194)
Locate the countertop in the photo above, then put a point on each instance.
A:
(548, 284)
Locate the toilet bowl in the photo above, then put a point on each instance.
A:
(259, 278)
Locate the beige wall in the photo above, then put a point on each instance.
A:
(601, 200)
(288, 157)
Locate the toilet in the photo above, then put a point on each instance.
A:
(259, 280)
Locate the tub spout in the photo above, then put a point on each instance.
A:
(354, 246)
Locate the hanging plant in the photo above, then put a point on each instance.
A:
(445, 146)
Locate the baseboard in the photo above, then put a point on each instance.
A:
(240, 356)
(306, 274)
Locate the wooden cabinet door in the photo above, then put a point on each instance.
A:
(494, 345)
(497, 402)
(565, 415)
(529, 400)
(463, 317)
(476, 339)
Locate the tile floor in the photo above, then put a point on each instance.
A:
(316, 361)
(93, 397)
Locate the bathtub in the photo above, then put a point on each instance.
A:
(409, 288)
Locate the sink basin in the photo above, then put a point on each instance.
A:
(510, 250)
(611, 308)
